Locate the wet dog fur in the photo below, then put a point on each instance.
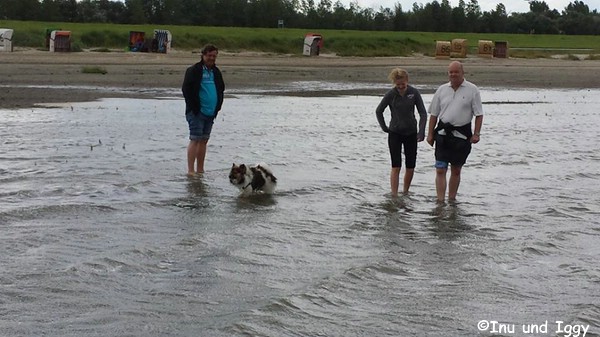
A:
(252, 179)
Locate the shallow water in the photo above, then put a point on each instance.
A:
(101, 233)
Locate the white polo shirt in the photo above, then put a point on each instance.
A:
(456, 107)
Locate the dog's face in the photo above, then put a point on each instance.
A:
(237, 174)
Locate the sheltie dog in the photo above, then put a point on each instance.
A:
(253, 179)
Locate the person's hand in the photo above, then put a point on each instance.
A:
(475, 138)
(420, 137)
(430, 139)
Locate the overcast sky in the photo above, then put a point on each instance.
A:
(518, 6)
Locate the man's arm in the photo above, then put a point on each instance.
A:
(430, 134)
(477, 131)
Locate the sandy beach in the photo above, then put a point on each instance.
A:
(30, 77)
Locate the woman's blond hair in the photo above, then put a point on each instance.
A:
(397, 73)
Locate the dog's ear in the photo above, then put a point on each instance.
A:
(232, 166)
(243, 168)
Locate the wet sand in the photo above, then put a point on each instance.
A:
(30, 77)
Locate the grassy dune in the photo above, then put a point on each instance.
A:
(289, 41)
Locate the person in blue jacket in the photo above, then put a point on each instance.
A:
(203, 88)
(402, 130)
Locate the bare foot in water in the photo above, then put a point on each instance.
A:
(193, 174)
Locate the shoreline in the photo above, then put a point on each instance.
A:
(29, 77)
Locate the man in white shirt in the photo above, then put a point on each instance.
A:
(454, 105)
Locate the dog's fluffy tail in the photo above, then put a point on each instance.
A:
(265, 166)
(267, 171)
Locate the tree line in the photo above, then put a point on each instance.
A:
(435, 16)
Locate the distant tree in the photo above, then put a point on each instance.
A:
(325, 14)
(342, 16)
(437, 15)
(88, 11)
(364, 18)
(417, 18)
(501, 11)
(51, 10)
(445, 16)
(290, 13)
(309, 10)
(68, 10)
(384, 19)
(355, 13)
(577, 7)
(7, 9)
(161, 11)
(538, 7)
(459, 17)
(576, 19)
(231, 13)
(117, 12)
(596, 23)
(171, 11)
(430, 16)
(20, 10)
(29, 10)
(197, 12)
(134, 11)
(400, 18)
(495, 21)
(264, 13)
(473, 15)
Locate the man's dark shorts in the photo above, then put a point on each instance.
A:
(200, 126)
(450, 149)
(395, 143)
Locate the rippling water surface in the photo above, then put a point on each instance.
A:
(101, 233)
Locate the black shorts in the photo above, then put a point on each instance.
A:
(395, 143)
(452, 149)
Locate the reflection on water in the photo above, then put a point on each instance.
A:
(400, 203)
(257, 200)
(197, 193)
(102, 229)
(449, 222)
(196, 187)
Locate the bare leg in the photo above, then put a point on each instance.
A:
(454, 182)
(395, 180)
(200, 155)
(408, 176)
(192, 149)
(440, 183)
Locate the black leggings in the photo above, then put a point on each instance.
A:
(395, 142)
